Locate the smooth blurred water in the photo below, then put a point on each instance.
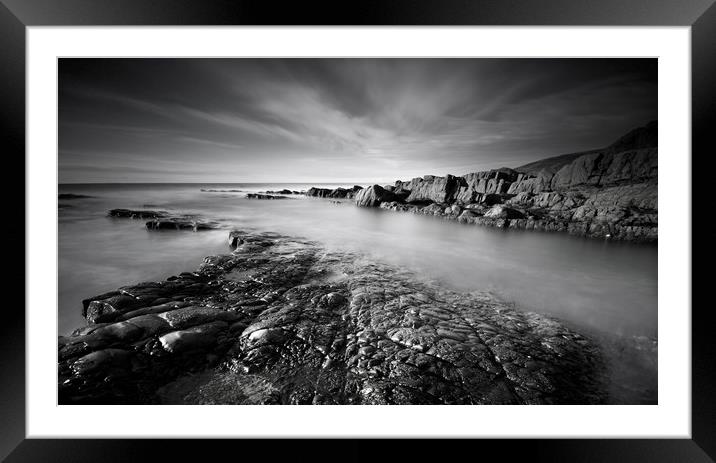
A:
(609, 286)
(606, 289)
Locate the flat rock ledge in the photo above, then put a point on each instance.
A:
(162, 220)
(506, 217)
(281, 320)
(264, 196)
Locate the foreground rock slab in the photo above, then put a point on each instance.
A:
(282, 321)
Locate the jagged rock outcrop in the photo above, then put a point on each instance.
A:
(336, 193)
(282, 321)
(531, 185)
(610, 192)
(480, 186)
(319, 192)
(431, 188)
(373, 196)
(263, 196)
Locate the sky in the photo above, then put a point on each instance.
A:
(337, 120)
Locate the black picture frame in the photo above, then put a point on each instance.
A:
(700, 15)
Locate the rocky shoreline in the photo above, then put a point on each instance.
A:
(281, 320)
(607, 193)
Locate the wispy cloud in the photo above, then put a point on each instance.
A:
(358, 118)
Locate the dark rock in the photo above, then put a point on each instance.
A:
(198, 337)
(108, 309)
(468, 216)
(282, 192)
(319, 192)
(193, 315)
(373, 196)
(432, 188)
(478, 185)
(503, 212)
(154, 309)
(432, 209)
(235, 239)
(347, 193)
(101, 359)
(136, 214)
(263, 196)
(491, 199)
(180, 224)
(338, 193)
(150, 324)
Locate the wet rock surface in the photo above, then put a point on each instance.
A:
(373, 196)
(281, 320)
(336, 193)
(263, 196)
(162, 220)
(181, 224)
(285, 191)
(137, 213)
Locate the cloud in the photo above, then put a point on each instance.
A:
(362, 118)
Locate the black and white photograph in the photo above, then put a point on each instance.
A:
(357, 231)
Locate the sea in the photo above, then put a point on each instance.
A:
(605, 289)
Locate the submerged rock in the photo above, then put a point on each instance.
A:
(285, 191)
(137, 214)
(263, 196)
(180, 224)
(271, 323)
(162, 220)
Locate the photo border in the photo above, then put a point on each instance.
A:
(16, 15)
